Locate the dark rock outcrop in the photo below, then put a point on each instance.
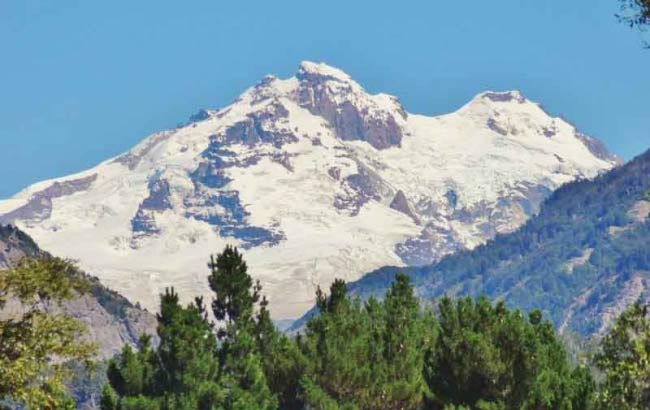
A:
(599, 149)
(144, 221)
(39, 206)
(496, 127)
(262, 126)
(505, 96)
(360, 188)
(213, 203)
(349, 121)
(401, 204)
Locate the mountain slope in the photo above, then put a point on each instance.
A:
(111, 319)
(316, 179)
(582, 260)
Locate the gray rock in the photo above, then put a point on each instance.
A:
(39, 206)
(111, 320)
(144, 221)
(599, 149)
(349, 122)
(360, 188)
(401, 204)
(496, 127)
(505, 96)
(261, 127)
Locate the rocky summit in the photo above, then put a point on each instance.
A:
(315, 179)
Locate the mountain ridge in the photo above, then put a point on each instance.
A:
(314, 178)
(582, 260)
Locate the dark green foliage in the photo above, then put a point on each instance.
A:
(486, 355)
(366, 356)
(282, 361)
(243, 337)
(378, 354)
(235, 295)
(529, 268)
(190, 368)
(181, 373)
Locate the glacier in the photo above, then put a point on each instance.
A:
(315, 179)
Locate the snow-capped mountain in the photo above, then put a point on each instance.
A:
(315, 179)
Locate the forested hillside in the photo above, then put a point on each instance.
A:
(379, 354)
(582, 260)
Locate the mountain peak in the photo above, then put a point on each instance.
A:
(503, 96)
(312, 70)
(314, 153)
(489, 101)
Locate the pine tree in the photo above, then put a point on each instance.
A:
(486, 355)
(235, 302)
(235, 295)
(182, 373)
(366, 356)
(405, 338)
(282, 361)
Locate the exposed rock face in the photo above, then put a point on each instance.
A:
(505, 97)
(15, 245)
(39, 206)
(640, 211)
(582, 257)
(361, 188)
(597, 148)
(313, 176)
(264, 126)
(331, 95)
(111, 320)
(158, 200)
(401, 204)
(496, 127)
(433, 243)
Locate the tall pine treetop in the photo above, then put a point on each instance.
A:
(235, 294)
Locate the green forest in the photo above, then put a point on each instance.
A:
(593, 219)
(391, 353)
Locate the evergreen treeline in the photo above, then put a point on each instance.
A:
(376, 354)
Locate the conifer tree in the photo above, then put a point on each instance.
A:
(283, 362)
(182, 373)
(235, 295)
(486, 355)
(366, 356)
(235, 302)
(406, 335)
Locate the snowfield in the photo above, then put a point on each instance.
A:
(315, 179)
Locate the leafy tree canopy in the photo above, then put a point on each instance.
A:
(34, 344)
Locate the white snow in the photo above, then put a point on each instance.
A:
(456, 152)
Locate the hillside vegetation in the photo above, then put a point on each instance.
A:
(582, 260)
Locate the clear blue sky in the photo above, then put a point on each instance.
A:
(81, 81)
